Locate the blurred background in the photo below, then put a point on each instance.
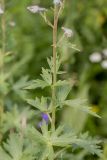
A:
(29, 41)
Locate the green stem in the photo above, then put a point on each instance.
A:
(54, 65)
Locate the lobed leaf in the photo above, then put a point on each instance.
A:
(36, 84)
(80, 104)
(51, 65)
(62, 92)
(16, 149)
(90, 144)
(41, 104)
(47, 77)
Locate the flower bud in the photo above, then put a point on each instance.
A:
(68, 32)
(57, 2)
(36, 9)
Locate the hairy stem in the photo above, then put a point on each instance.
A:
(54, 65)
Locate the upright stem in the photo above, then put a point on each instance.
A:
(54, 65)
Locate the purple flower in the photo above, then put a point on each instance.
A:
(45, 117)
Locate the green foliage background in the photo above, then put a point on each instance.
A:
(30, 42)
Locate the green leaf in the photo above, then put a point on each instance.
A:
(80, 104)
(67, 138)
(41, 104)
(14, 146)
(62, 93)
(36, 84)
(21, 83)
(35, 135)
(13, 119)
(16, 149)
(90, 144)
(47, 81)
(62, 138)
(58, 131)
(51, 65)
(42, 141)
(47, 77)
